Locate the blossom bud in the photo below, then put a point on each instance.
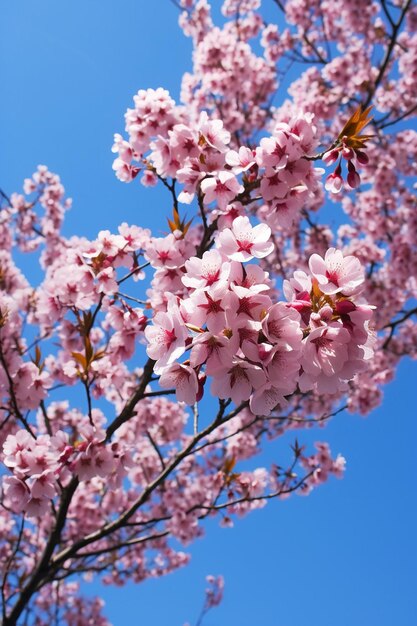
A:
(353, 178)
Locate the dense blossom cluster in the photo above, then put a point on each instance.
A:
(254, 348)
(257, 315)
(199, 156)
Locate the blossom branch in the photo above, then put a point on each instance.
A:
(393, 325)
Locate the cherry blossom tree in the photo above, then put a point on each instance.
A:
(142, 370)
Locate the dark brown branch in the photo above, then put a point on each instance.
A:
(8, 566)
(43, 565)
(393, 325)
(157, 450)
(385, 62)
(133, 272)
(162, 392)
(268, 496)
(398, 119)
(5, 197)
(121, 521)
(130, 406)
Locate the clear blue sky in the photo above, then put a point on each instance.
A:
(346, 555)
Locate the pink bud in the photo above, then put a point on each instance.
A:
(201, 382)
(331, 157)
(334, 181)
(347, 153)
(362, 157)
(344, 307)
(353, 178)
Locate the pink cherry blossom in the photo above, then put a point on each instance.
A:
(183, 379)
(281, 326)
(325, 356)
(242, 160)
(266, 398)
(337, 273)
(243, 242)
(210, 307)
(238, 381)
(207, 271)
(272, 151)
(16, 492)
(222, 189)
(213, 132)
(215, 351)
(165, 252)
(166, 338)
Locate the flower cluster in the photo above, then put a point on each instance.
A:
(287, 178)
(31, 229)
(321, 465)
(154, 114)
(39, 464)
(197, 154)
(214, 592)
(256, 350)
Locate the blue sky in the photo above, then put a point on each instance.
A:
(346, 555)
